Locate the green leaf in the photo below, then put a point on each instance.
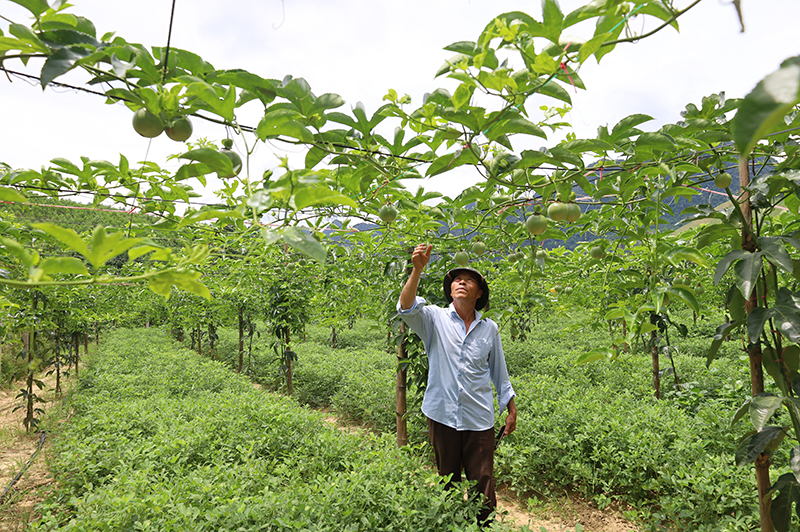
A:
(762, 407)
(746, 272)
(780, 510)
(625, 126)
(685, 294)
(515, 124)
(12, 196)
(67, 265)
(755, 443)
(30, 41)
(719, 336)
(775, 252)
(584, 145)
(794, 462)
(553, 19)
(724, 264)
(773, 366)
(602, 353)
(755, 322)
(464, 47)
(450, 161)
(764, 108)
(37, 7)
(304, 242)
(741, 411)
(320, 195)
(554, 90)
(681, 253)
(463, 94)
(60, 62)
(215, 160)
(138, 251)
(66, 236)
(654, 141)
(269, 128)
(213, 214)
(12, 246)
(786, 314)
(263, 89)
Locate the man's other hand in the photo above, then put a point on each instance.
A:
(421, 255)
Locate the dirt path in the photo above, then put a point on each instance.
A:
(16, 449)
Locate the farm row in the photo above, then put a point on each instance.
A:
(151, 419)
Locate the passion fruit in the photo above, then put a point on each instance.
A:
(572, 212)
(236, 161)
(597, 252)
(723, 180)
(147, 124)
(557, 211)
(387, 213)
(180, 129)
(478, 248)
(461, 258)
(536, 224)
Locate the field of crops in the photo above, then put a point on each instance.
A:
(162, 438)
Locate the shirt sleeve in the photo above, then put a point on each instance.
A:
(414, 316)
(499, 372)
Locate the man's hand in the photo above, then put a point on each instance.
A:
(419, 258)
(421, 255)
(511, 419)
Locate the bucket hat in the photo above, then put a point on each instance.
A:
(448, 280)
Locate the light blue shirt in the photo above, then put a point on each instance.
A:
(461, 366)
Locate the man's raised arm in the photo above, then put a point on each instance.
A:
(419, 259)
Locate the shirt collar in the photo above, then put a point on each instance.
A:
(453, 311)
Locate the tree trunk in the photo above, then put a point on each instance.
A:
(401, 396)
(77, 338)
(289, 386)
(57, 360)
(199, 341)
(211, 341)
(401, 405)
(29, 380)
(656, 370)
(85, 344)
(96, 333)
(756, 368)
(241, 339)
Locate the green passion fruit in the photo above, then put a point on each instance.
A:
(723, 180)
(147, 124)
(387, 213)
(536, 224)
(236, 161)
(180, 129)
(461, 258)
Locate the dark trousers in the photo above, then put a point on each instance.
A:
(472, 451)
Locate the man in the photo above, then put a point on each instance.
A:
(465, 356)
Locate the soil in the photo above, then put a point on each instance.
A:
(17, 447)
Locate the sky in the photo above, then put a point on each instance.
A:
(361, 48)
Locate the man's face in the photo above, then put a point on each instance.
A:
(465, 287)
